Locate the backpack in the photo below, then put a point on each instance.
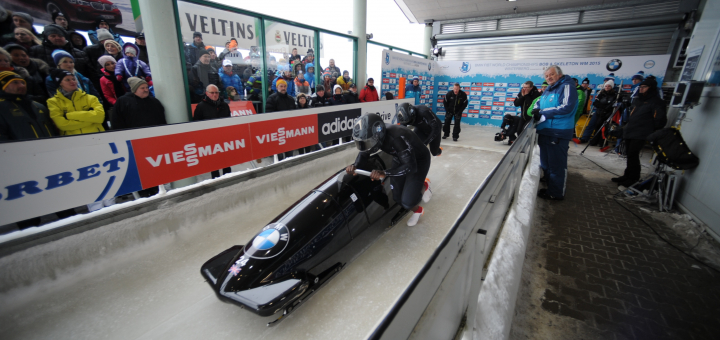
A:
(672, 150)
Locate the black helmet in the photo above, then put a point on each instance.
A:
(369, 132)
(405, 114)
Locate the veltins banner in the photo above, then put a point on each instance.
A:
(54, 174)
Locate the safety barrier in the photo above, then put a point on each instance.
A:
(450, 281)
(49, 175)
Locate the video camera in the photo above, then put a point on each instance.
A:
(501, 136)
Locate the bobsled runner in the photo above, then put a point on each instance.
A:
(297, 252)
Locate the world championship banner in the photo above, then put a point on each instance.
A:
(397, 67)
(493, 85)
(48, 175)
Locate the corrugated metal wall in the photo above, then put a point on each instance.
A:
(600, 43)
(603, 43)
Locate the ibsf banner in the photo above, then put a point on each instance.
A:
(54, 174)
(398, 67)
(493, 85)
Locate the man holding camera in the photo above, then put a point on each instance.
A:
(525, 98)
(555, 114)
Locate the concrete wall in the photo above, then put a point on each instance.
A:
(698, 191)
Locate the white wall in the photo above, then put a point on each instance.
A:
(699, 190)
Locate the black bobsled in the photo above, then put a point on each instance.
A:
(293, 255)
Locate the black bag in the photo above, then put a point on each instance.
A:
(671, 149)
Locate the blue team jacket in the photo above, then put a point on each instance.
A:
(558, 104)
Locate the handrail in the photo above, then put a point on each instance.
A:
(393, 48)
(523, 144)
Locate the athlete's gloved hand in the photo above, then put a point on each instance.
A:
(350, 169)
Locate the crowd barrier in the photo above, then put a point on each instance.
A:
(54, 174)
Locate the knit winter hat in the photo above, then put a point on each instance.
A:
(197, 34)
(57, 75)
(609, 82)
(203, 52)
(24, 16)
(103, 34)
(6, 77)
(210, 48)
(11, 47)
(57, 55)
(58, 14)
(336, 87)
(586, 81)
(649, 81)
(280, 81)
(326, 74)
(134, 83)
(113, 42)
(129, 48)
(640, 75)
(319, 88)
(104, 59)
(610, 76)
(545, 83)
(54, 29)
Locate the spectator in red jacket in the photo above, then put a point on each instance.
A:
(112, 88)
(369, 93)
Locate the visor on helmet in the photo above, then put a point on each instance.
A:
(366, 145)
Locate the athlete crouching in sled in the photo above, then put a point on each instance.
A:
(411, 161)
(428, 126)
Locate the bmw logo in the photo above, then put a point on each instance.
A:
(270, 242)
(649, 64)
(614, 65)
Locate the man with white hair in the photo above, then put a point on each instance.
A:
(555, 114)
(212, 107)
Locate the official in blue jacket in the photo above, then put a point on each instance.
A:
(413, 90)
(555, 115)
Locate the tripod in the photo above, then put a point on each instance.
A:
(663, 186)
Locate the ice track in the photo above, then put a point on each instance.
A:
(139, 278)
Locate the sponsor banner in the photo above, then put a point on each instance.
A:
(488, 98)
(488, 88)
(487, 94)
(501, 113)
(510, 99)
(335, 125)
(168, 158)
(513, 89)
(81, 14)
(514, 84)
(272, 137)
(499, 94)
(486, 107)
(474, 102)
(485, 116)
(476, 89)
(496, 117)
(237, 108)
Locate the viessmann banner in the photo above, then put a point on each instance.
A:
(45, 176)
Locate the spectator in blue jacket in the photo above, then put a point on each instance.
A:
(310, 74)
(66, 62)
(555, 114)
(413, 90)
(102, 23)
(229, 78)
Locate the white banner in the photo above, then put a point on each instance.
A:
(49, 175)
(398, 66)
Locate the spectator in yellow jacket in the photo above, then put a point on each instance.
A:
(74, 111)
(345, 81)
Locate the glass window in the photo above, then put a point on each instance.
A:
(374, 66)
(290, 52)
(224, 35)
(337, 56)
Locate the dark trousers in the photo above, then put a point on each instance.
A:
(408, 189)
(216, 173)
(553, 159)
(633, 148)
(433, 143)
(456, 129)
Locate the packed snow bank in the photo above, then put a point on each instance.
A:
(496, 302)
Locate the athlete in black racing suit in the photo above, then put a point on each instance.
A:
(410, 165)
(428, 126)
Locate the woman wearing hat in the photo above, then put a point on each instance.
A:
(73, 110)
(111, 87)
(65, 61)
(112, 49)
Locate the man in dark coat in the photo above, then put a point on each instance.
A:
(318, 98)
(647, 115)
(137, 108)
(20, 117)
(525, 98)
(280, 100)
(212, 107)
(352, 96)
(455, 103)
(56, 39)
(141, 44)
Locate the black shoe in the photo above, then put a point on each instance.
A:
(618, 179)
(454, 139)
(542, 193)
(445, 137)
